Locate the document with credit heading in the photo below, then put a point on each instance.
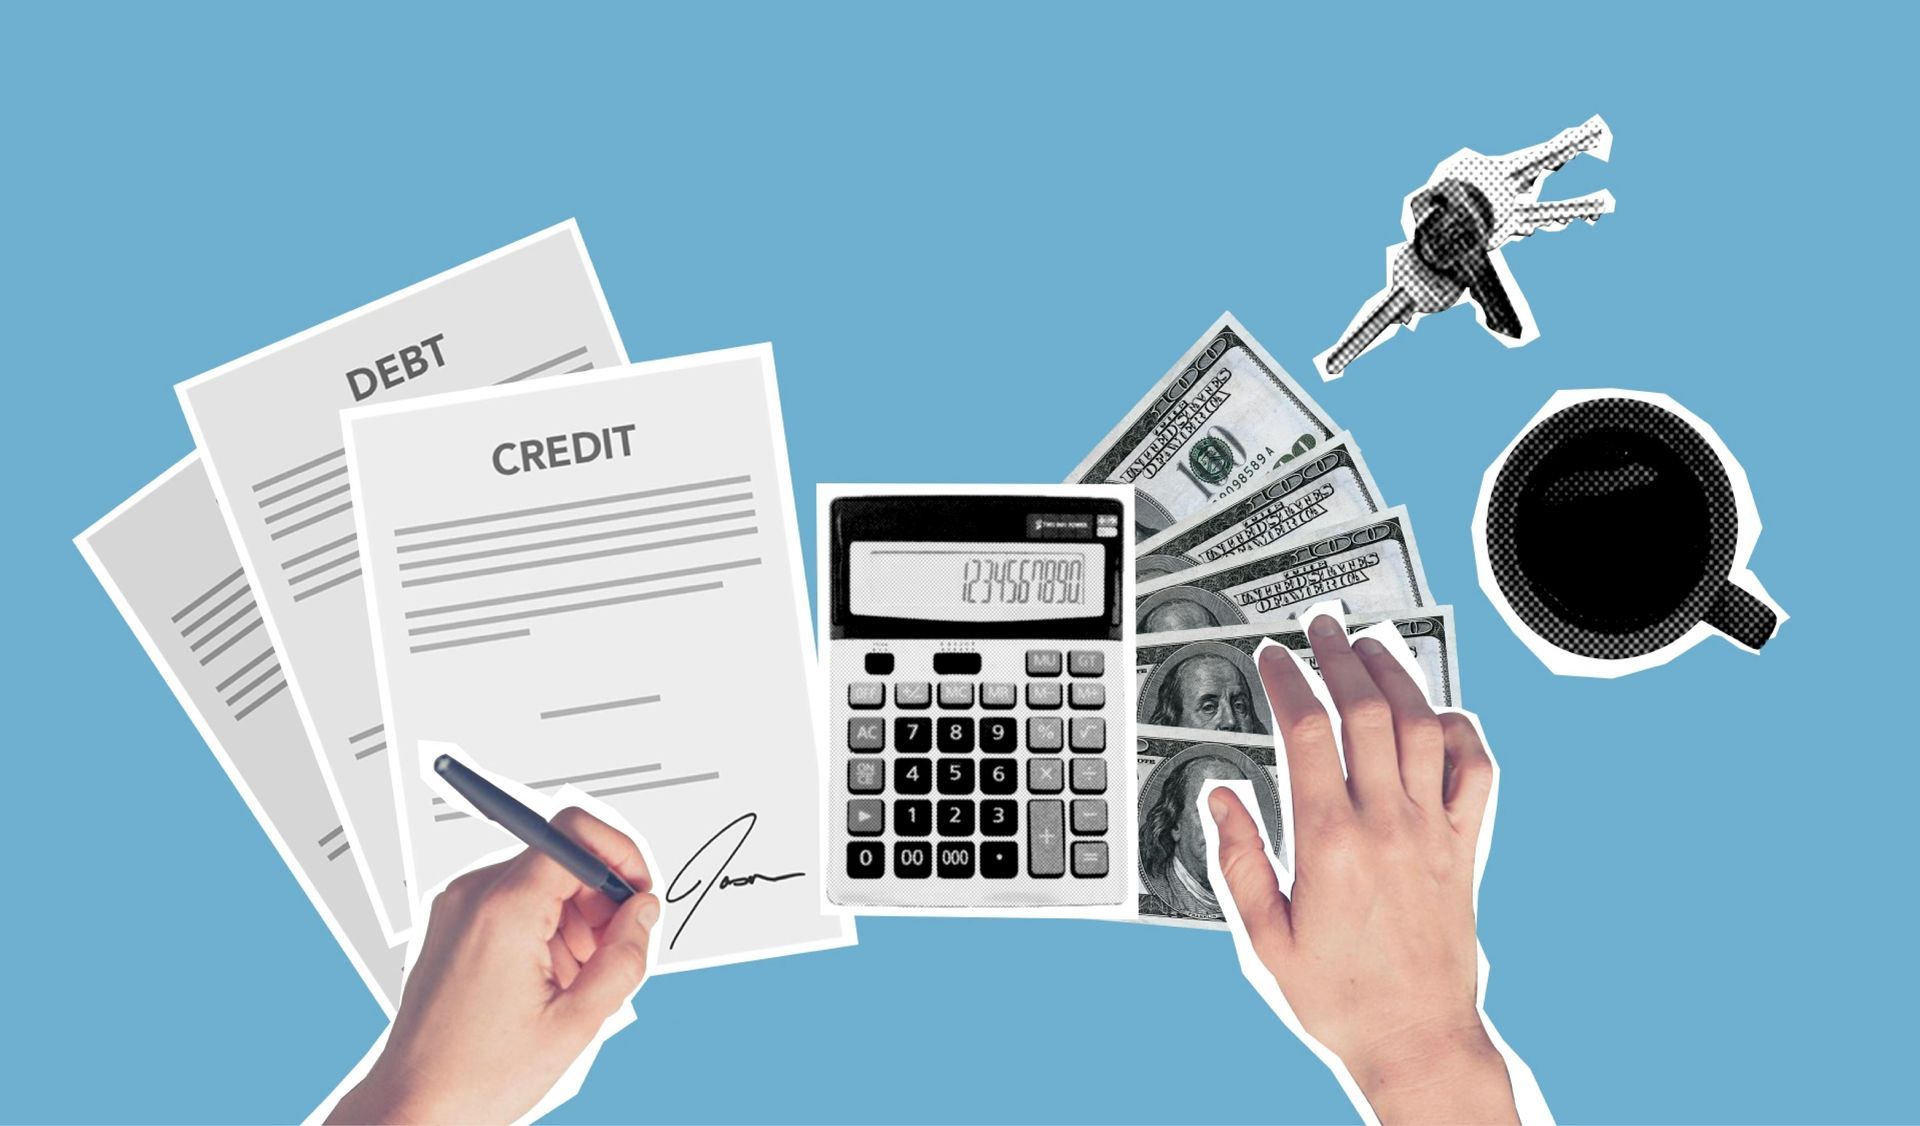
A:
(268, 426)
(596, 582)
(166, 560)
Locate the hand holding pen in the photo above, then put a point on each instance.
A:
(521, 964)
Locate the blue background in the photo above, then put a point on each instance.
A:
(976, 237)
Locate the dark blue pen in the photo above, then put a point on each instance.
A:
(504, 810)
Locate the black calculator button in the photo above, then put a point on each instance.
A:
(956, 736)
(954, 859)
(1001, 776)
(999, 818)
(957, 664)
(955, 818)
(999, 736)
(879, 664)
(999, 860)
(866, 860)
(954, 775)
(912, 734)
(912, 776)
(912, 818)
(912, 860)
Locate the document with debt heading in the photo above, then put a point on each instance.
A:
(165, 559)
(596, 582)
(268, 426)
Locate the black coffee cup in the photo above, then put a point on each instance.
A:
(1612, 530)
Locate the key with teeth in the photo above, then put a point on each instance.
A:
(1472, 205)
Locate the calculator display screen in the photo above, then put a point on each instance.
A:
(976, 582)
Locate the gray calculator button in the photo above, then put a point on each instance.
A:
(956, 694)
(1089, 776)
(866, 817)
(866, 694)
(1088, 734)
(917, 694)
(1086, 662)
(1043, 662)
(1089, 695)
(1046, 837)
(1046, 775)
(1043, 693)
(998, 696)
(867, 733)
(1044, 732)
(1090, 815)
(865, 776)
(1090, 858)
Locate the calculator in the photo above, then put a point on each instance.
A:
(977, 652)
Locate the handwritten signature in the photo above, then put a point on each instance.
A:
(711, 876)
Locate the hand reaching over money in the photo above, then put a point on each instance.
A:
(1374, 949)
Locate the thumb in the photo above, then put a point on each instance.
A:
(1248, 871)
(619, 965)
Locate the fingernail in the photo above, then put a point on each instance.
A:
(1217, 805)
(1324, 626)
(647, 914)
(1367, 646)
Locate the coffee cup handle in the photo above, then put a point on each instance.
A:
(1742, 617)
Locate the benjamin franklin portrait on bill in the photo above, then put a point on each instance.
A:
(1206, 686)
(1173, 844)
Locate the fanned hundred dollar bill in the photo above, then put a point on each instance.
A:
(1217, 421)
(1329, 486)
(1173, 766)
(1206, 679)
(1371, 565)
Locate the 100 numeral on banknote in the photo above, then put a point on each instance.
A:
(1219, 420)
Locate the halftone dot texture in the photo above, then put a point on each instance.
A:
(1707, 594)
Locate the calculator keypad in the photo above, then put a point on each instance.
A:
(962, 769)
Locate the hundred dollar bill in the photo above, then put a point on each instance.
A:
(1329, 486)
(1206, 679)
(1372, 565)
(1217, 421)
(1172, 766)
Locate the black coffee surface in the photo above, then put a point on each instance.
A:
(1612, 530)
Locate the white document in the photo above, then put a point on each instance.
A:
(596, 582)
(268, 426)
(165, 559)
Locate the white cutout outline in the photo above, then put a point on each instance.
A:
(83, 541)
(1564, 663)
(547, 805)
(571, 228)
(1529, 1101)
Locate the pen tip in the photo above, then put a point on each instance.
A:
(443, 764)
